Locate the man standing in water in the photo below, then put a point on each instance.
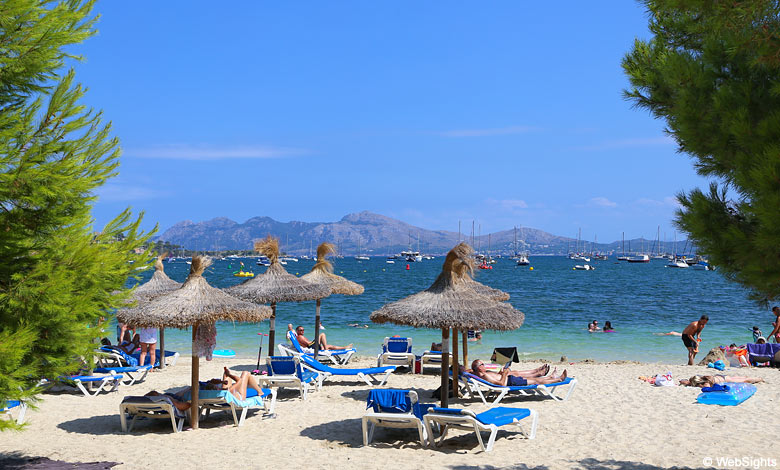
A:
(691, 336)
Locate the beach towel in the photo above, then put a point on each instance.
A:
(504, 355)
(130, 360)
(389, 399)
(155, 399)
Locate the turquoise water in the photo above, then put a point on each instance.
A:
(558, 302)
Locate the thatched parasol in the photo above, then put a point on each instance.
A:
(276, 285)
(158, 285)
(479, 288)
(322, 273)
(451, 303)
(195, 303)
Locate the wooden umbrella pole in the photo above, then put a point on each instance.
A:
(455, 388)
(272, 330)
(465, 349)
(194, 410)
(317, 328)
(162, 348)
(445, 365)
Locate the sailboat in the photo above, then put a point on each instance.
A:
(360, 256)
(522, 258)
(624, 257)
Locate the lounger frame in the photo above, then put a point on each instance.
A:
(104, 381)
(468, 421)
(339, 356)
(135, 374)
(378, 378)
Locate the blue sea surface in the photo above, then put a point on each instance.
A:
(641, 300)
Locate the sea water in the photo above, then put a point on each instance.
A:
(639, 299)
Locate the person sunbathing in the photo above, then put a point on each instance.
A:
(128, 347)
(710, 380)
(512, 378)
(237, 388)
(540, 371)
(306, 343)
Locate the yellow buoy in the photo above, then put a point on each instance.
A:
(531, 268)
(364, 270)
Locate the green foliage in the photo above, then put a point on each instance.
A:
(58, 279)
(712, 71)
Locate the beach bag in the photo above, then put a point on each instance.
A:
(664, 380)
(437, 393)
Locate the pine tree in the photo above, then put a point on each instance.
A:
(58, 279)
(712, 71)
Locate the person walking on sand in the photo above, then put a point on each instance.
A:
(148, 337)
(691, 336)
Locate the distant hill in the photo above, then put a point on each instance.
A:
(376, 234)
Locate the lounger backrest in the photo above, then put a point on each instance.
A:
(316, 365)
(453, 411)
(283, 365)
(397, 345)
(294, 340)
(391, 400)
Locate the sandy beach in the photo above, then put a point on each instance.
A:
(612, 421)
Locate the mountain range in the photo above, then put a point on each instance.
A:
(374, 234)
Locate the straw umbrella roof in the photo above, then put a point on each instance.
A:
(158, 285)
(195, 302)
(322, 273)
(451, 302)
(276, 284)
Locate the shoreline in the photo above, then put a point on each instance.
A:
(612, 420)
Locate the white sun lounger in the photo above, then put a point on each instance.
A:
(286, 371)
(396, 352)
(490, 421)
(407, 413)
(134, 373)
(103, 382)
(150, 407)
(361, 373)
(223, 400)
(337, 356)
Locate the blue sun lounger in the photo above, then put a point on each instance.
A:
(172, 355)
(286, 371)
(397, 351)
(134, 373)
(490, 421)
(103, 381)
(17, 406)
(363, 374)
(475, 385)
(337, 356)
(394, 409)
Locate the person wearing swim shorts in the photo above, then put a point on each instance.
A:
(691, 336)
(503, 377)
(307, 343)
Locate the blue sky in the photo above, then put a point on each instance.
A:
(507, 113)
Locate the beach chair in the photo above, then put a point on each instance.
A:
(150, 407)
(102, 382)
(286, 371)
(14, 406)
(134, 373)
(337, 356)
(490, 421)
(223, 400)
(431, 358)
(396, 352)
(760, 353)
(394, 409)
(108, 356)
(363, 374)
(476, 385)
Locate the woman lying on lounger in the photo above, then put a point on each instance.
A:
(710, 380)
(237, 388)
(540, 371)
(513, 378)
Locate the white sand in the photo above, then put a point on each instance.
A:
(611, 421)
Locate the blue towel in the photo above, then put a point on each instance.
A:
(130, 360)
(389, 401)
(395, 401)
(716, 388)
